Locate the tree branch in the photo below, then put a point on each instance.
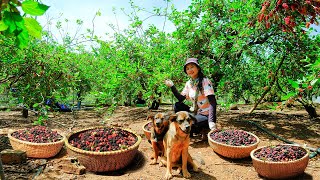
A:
(6, 79)
(271, 84)
(261, 40)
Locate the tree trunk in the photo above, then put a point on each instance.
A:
(25, 113)
(311, 111)
(261, 98)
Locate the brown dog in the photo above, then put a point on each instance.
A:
(176, 144)
(159, 129)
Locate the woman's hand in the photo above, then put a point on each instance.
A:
(168, 83)
(212, 125)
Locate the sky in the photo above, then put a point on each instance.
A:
(86, 9)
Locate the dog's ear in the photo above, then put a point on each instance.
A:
(150, 117)
(167, 115)
(193, 117)
(172, 117)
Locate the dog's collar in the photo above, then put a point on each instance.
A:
(184, 131)
(161, 135)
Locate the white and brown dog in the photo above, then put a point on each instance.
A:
(176, 143)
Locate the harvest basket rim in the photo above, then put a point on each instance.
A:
(281, 162)
(134, 146)
(38, 144)
(143, 127)
(227, 145)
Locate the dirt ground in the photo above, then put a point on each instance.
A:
(291, 124)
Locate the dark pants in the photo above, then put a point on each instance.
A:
(155, 105)
(180, 106)
(202, 120)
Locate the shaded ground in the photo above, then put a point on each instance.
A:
(291, 124)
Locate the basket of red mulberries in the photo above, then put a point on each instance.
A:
(280, 161)
(102, 149)
(232, 143)
(37, 142)
(147, 129)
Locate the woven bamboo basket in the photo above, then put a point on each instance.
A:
(36, 150)
(233, 152)
(103, 161)
(279, 170)
(146, 132)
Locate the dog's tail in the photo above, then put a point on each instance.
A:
(199, 160)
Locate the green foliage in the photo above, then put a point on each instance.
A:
(308, 86)
(244, 59)
(12, 23)
(36, 74)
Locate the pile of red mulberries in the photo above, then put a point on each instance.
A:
(233, 137)
(280, 153)
(103, 139)
(37, 134)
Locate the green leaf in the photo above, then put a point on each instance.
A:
(286, 97)
(14, 21)
(316, 64)
(39, 121)
(23, 40)
(304, 85)
(294, 84)
(34, 8)
(313, 82)
(33, 27)
(98, 13)
(3, 26)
